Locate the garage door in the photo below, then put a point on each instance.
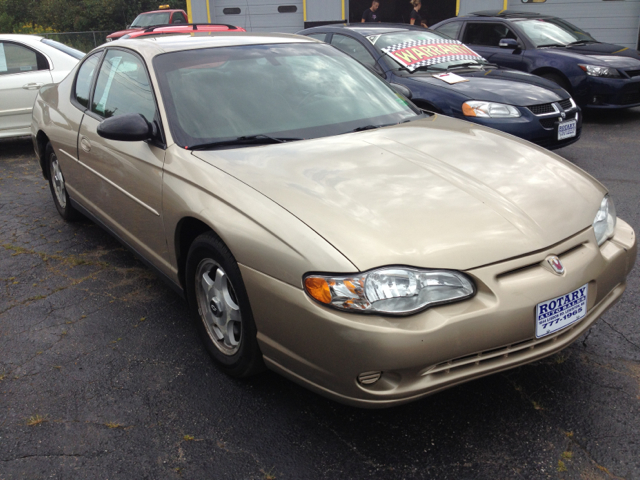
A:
(260, 15)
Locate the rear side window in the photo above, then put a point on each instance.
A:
(487, 34)
(354, 48)
(123, 87)
(318, 36)
(63, 48)
(15, 58)
(86, 73)
(450, 29)
(178, 17)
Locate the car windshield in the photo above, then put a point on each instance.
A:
(389, 39)
(286, 91)
(63, 48)
(552, 31)
(149, 19)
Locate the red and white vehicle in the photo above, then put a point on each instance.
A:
(164, 16)
(188, 28)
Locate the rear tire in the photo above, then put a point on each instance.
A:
(58, 187)
(220, 305)
(557, 79)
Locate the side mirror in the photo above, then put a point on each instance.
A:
(402, 90)
(508, 43)
(128, 27)
(130, 127)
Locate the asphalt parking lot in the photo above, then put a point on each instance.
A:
(102, 374)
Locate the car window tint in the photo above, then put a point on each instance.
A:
(123, 87)
(318, 36)
(354, 48)
(450, 29)
(149, 19)
(487, 34)
(85, 76)
(17, 59)
(178, 17)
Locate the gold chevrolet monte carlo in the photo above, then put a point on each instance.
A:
(319, 224)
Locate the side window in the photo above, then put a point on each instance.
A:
(123, 87)
(86, 73)
(18, 59)
(451, 29)
(178, 17)
(487, 34)
(318, 36)
(354, 48)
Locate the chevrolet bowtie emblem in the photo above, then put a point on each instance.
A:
(555, 264)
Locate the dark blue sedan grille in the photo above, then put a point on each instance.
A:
(541, 109)
(565, 104)
(633, 73)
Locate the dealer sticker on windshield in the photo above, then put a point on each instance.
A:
(416, 54)
(567, 129)
(560, 312)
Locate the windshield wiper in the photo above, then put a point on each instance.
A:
(465, 65)
(552, 45)
(371, 127)
(580, 42)
(261, 139)
(428, 67)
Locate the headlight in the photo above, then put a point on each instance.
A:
(474, 108)
(596, 71)
(389, 290)
(605, 222)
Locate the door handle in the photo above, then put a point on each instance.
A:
(32, 86)
(85, 144)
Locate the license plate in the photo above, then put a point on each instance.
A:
(560, 312)
(567, 129)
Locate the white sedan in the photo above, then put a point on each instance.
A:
(27, 62)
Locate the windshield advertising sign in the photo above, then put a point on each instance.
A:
(417, 54)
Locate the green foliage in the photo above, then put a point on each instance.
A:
(74, 15)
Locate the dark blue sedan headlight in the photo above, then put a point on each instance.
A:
(597, 71)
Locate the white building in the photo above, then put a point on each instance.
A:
(612, 21)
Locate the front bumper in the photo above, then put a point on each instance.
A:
(541, 130)
(612, 93)
(325, 350)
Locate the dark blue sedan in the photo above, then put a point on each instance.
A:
(598, 75)
(523, 105)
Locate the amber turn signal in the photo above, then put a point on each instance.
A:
(468, 111)
(318, 288)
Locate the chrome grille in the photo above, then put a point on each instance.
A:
(542, 109)
(565, 104)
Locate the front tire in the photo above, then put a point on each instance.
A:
(558, 80)
(220, 305)
(58, 187)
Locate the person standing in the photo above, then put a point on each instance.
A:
(415, 17)
(370, 15)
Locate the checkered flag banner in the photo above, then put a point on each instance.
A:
(416, 54)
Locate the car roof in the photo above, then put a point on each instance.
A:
(366, 30)
(163, 10)
(184, 28)
(20, 37)
(150, 46)
(506, 14)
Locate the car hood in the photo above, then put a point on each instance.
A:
(497, 85)
(618, 57)
(434, 193)
(123, 32)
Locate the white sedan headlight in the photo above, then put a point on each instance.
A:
(605, 222)
(596, 71)
(389, 290)
(476, 108)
